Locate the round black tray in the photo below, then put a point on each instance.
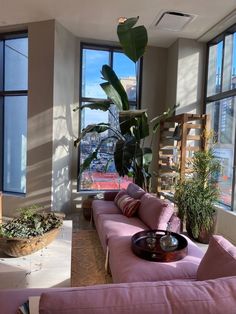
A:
(140, 246)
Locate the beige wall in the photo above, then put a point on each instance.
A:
(40, 120)
(64, 120)
(185, 75)
(153, 93)
(172, 70)
(190, 76)
(226, 222)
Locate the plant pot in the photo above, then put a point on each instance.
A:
(204, 235)
(17, 247)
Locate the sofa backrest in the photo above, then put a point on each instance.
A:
(177, 296)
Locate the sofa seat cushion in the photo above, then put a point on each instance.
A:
(219, 260)
(109, 225)
(154, 212)
(127, 267)
(104, 207)
(179, 297)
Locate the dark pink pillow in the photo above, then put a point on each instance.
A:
(135, 191)
(155, 213)
(128, 205)
(219, 260)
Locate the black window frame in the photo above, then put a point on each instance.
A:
(220, 96)
(3, 94)
(111, 49)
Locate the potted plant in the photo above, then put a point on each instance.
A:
(196, 196)
(29, 232)
(130, 155)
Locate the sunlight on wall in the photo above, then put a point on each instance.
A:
(188, 81)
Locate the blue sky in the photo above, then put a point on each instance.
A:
(93, 60)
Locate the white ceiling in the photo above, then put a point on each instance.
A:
(97, 19)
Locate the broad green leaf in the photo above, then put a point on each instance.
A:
(110, 76)
(100, 105)
(87, 162)
(112, 94)
(165, 115)
(134, 122)
(132, 39)
(98, 128)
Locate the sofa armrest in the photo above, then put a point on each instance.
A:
(175, 223)
(110, 195)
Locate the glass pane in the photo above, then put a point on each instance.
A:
(222, 115)
(92, 62)
(214, 69)
(229, 75)
(101, 174)
(15, 132)
(16, 64)
(126, 72)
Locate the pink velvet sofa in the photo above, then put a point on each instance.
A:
(116, 229)
(215, 296)
(212, 292)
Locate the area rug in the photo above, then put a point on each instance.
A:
(88, 260)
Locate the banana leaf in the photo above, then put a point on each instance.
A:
(132, 39)
(110, 76)
(165, 115)
(100, 105)
(134, 122)
(98, 128)
(124, 155)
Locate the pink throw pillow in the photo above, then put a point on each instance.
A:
(219, 260)
(154, 212)
(135, 191)
(127, 204)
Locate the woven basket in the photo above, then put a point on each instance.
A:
(17, 247)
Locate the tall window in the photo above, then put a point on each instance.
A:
(102, 174)
(221, 106)
(13, 111)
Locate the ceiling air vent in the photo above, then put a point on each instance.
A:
(173, 21)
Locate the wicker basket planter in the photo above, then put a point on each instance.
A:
(17, 247)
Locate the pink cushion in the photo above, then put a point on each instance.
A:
(155, 212)
(127, 267)
(135, 191)
(165, 297)
(117, 225)
(127, 204)
(219, 260)
(104, 207)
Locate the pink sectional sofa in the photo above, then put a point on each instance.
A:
(116, 229)
(213, 291)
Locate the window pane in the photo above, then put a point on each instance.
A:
(214, 69)
(223, 122)
(229, 75)
(97, 177)
(16, 64)
(15, 131)
(92, 62)
(125, 70)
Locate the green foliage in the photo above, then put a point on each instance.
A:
(132, 39)
(131, 157)
(29, 224)
(195, 197)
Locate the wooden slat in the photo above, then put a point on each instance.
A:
(194, 138)
(193, 126)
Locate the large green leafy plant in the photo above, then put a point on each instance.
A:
(196, 196)
(131, 157)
